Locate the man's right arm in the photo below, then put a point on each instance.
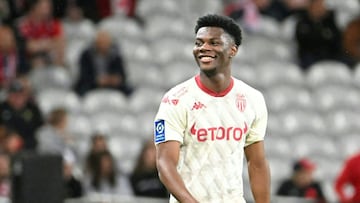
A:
(167, 157)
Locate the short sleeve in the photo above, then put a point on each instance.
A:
(258, 127)
(170, 121)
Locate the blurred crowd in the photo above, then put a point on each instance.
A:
(34, 35)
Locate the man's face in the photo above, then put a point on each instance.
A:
(213, 48)
(18, 100)
(43, 9)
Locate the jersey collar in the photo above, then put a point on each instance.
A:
(211, 92)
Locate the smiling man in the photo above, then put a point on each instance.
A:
(206, 124)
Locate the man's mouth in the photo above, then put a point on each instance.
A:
(206, 58)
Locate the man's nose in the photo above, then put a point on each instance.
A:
(205, 47)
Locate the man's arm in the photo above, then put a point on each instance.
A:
(259, 173)
(167, 157)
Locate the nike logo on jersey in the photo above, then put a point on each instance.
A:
(219, 133)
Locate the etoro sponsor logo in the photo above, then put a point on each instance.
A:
(219, 133)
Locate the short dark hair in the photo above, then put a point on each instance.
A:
(224, 22)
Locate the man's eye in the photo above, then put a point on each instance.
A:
(198, 43)
(215, 43)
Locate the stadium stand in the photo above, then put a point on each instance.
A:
(312, 113)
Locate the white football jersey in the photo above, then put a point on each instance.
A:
(213, 129)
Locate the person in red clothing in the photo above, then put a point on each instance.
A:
(43, 34)
(302, 183)
(349, 176)
(12, 59)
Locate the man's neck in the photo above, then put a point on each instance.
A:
(217, 82)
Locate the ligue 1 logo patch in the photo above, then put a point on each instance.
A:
(241, 102)
(159, 131)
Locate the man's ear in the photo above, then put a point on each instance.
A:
(233, 51)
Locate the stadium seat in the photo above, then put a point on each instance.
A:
(328, 73)
(272, 73)
(329, 192)
(342, 121)
(327, 168)
(102, 100)
(345, 11)
(277, 146)
(349, 144)
(146, 122)
(73, 52)
(48, 99)
(357, 75)
(132, 49)
(50, 77)
(147, 9)
(121, 26)
(125, 150)
(280, 168)
(311, 145)
(268, 27)
(140, 53)
(177, 72)
(175, 27)
(114, 123)
(288, 28)
(245, 72)
(327, 98)
(194, 9)
(274, 126)
(144, 99)
(79, 126)
(271, 49)
(145, 74)
(283, 97)
(166, 55)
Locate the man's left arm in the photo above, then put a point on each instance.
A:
(259, 173)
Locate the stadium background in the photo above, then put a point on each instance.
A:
(312, 114)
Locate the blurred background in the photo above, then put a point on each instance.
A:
(82, 79)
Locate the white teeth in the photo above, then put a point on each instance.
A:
(206, 59)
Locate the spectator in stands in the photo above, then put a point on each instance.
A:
(12, 59)
(349, 176)
(59, 7)
(245, 11)
(14, 143)
(4, 10)
(128, 7)
(76, 27)
(105, 177)
(43, 34)
(144, 179)
(281, 9)
(96, 10)
(10, 141)
(52, 137)
(317, 35)
(98, 144)
(20, 113)
(102, 66)
(352, 40)
(5, 186)
(3, 134)
(73, 186)
(302, 184)
(15, 9)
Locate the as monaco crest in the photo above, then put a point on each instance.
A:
(241, 102)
